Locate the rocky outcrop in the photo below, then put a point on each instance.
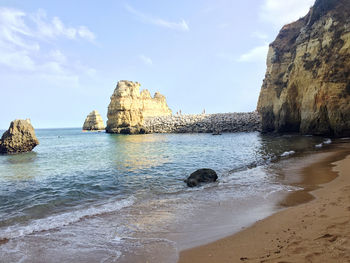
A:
(20, 137)
(204, 123)
(93, 122)
(307, 83)
(201, 176)
(129, 108)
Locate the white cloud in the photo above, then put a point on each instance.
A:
(13, 29)
(24, 41)
(146, 60)
(56, 28)
(281, 12)
(84, 32)
(58, 56)
(17, 61)
(180, 26)
(256, 54)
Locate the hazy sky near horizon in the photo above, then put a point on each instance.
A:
(59, 60)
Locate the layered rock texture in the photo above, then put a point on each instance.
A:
(129, 108)
(20, 137)
(307, 83)
(204, 123)
(93, 122)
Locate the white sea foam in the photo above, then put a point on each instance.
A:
(280, 188)
(285, 154)
(64, 219)
(117, 239)
(328, 141)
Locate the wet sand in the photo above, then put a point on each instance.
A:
(315, 231)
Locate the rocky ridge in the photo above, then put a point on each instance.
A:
(94, 122)
(129, 108)
(307, 83)
(20, 137)
(204, 123)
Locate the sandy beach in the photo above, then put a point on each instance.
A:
(316, 231)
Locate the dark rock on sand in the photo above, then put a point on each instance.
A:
(201, 176)
(20, 137)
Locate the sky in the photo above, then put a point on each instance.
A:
(59, 60)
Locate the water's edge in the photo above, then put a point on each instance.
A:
(315, 172)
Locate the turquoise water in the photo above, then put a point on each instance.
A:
(116, 198)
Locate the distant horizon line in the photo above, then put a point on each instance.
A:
(5, 129)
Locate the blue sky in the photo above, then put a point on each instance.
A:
(59, 60)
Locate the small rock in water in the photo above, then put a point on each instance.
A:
(201, 176)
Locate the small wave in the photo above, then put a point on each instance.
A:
(328, 141)
(119, 239)
(64, 219)
(251, 165)
(285, 154)
(280, 189)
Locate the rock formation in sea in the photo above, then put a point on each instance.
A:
(129, 108)
(307, 84)
(20, 137)
(93, 122)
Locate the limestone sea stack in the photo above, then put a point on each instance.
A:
(20, 137)
(129, 108)
(94, 122)
(307, 83)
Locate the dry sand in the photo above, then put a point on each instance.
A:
(317, 231)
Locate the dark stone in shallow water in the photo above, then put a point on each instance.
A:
(201, 176)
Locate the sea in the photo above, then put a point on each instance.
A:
(98, 197)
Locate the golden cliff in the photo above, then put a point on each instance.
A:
(307, 84)
(129, 108)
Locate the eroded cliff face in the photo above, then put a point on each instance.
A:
(128, 108)
(94, 122)
(307, 84)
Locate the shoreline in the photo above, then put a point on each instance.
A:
(310, 229)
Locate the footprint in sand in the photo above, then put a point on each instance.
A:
(329, 237)
(299, 250)
(309, 257)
